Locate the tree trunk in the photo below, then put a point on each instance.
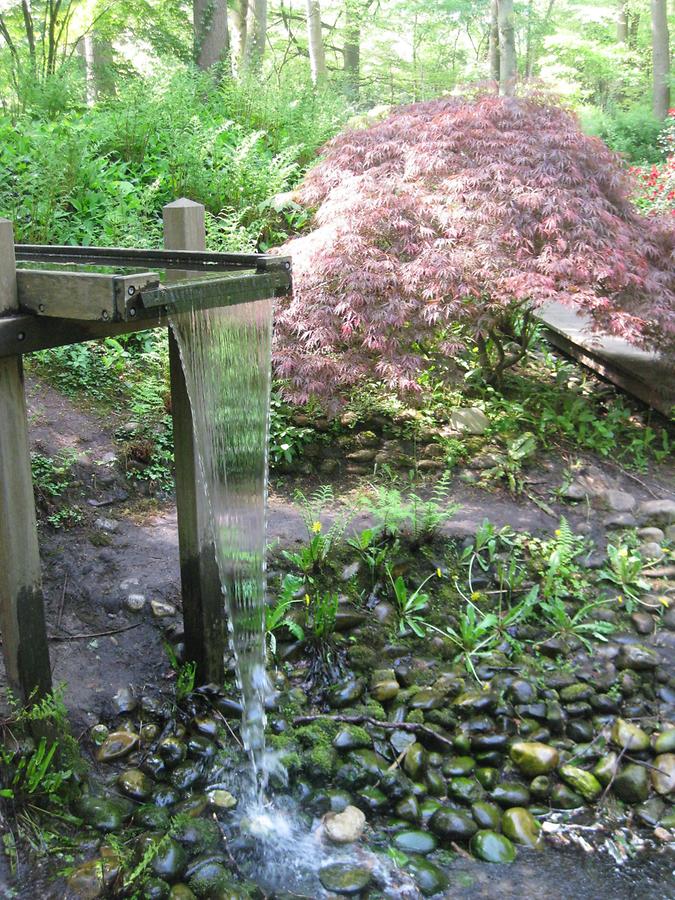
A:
(494, 41)
(661, 57)
(211, 36)
(622, 23)
(238, 12)
(256, 35)
(352, 49)
(528, 43)
(317, 55)
(507, 49)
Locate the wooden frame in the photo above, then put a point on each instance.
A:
(48, 308)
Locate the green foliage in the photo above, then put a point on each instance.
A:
(411, 605)
(311, 558)
(321, 615)
(374, 553)
(633, 132)
(277, 616)
(52, 476)
(412, 516)
(556, 560)
(286, 440)
(625, 571)
(579, 624)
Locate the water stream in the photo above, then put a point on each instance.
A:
(225, 353)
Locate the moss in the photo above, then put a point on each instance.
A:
(445, 717)
(320, 760)
(359, 734)
(319, 733)
(362, 658)
(370, 708)
(416, 716)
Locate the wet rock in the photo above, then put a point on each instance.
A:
(651, 534)
(632, 784)
(400, 740)
(155, 889)
(415, 841)
(522, 691)
(487, 815)
(135, 784)
(162, 610)
(580, 731)
(492, 847)
(663, 773)
(164, 796)
(665, 742)
(124, 700)
(172, 750)
(582, 782)
(533, 758)
(656, 512)
(186, 775)
(135, 602)
(221, 799)
(651, 811)
(520, 826)
(98, 733)
(352, 738)
(408, 809)
(414, 761)
(117, 745)
(344, 879)
(345, 827)
(385, 614)
(209, 877)
(510, 793)
(487, 777)
(104, 814)
(540, 787)
(452, 824)
(563, 797)
(466, 790)
(435, 783)
(605, 768)
(368, 761)
(458, 765)
(619, 501)
(206, 726)
(650, 550)
(346, 693)
(153, 817)
(154, 766)
(86, 882)
(200, 747)
(630, 737)
(427, 808)
(373, 799)
(430, 878)
(427, 699)
(385, 690)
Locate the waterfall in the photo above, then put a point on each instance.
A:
(225, 353)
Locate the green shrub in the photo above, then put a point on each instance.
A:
(633, 132)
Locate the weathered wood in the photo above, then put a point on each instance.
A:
(22, 620)
(80, 295)
(203, 601)
(25, 333)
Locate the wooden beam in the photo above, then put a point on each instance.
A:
(80, 295)
(22, 619)
(203, 601)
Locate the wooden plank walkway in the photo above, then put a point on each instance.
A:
(635, 371)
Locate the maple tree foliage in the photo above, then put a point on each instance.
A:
(469, 213)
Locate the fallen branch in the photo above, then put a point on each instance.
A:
(413, 727)
(94, 634)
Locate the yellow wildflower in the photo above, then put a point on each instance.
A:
(619, 599)
(475, 596)
(623, 551)
(439, 573)
(663, 601)
(316, 527)
(307, 601)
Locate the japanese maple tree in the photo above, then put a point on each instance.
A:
(463, 216)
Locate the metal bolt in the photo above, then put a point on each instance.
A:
(132, 311)
(131, 290)
(21, 336)
(104, 315)
(41, 307)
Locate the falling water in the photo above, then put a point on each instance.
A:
(225, 352)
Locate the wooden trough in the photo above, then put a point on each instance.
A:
(50, 296)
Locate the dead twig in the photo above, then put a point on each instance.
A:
(63, 601)
(413, 727)
(94, 634)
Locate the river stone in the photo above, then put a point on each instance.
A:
(430, 879)
(345, 693)
(467, 790)
(86, 882)
(181, 892)
(522, 691)
(605, 768)
(209, 877)
(533, 758)
(435, 783)
(458, 765)
(169, 862)
(632, 784)
(637, 657)
(428, 807)
(510, 793)
(651, 811)
(563, 797)
(487, 815)
(345, 827)
(154, 766)
(135, 784)
(663, 781)
(630, 737)
(580, 731)
(401, 740)
(487, 776)
(427, 699)
(152, 817)
(368, 761)
(221, 799)
(344, 878)
(155, 889)
(656, 512)
(520, 826)
(164, 796)
(186, 775)
(582, 782)
(98, 733)
(452, 824)
(414, 761)
(104, 814)
(665, 742)
(172, 750)
(117, 745)
(540, 787)
(492, 847)
(385, 690)
(415, 841)
(350, 738)
(372, 798)
(408, 809)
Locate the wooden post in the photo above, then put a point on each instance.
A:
(22, 618)
(203, 601)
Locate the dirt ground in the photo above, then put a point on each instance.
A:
(127, 545)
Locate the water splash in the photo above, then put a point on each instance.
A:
(226, 358)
